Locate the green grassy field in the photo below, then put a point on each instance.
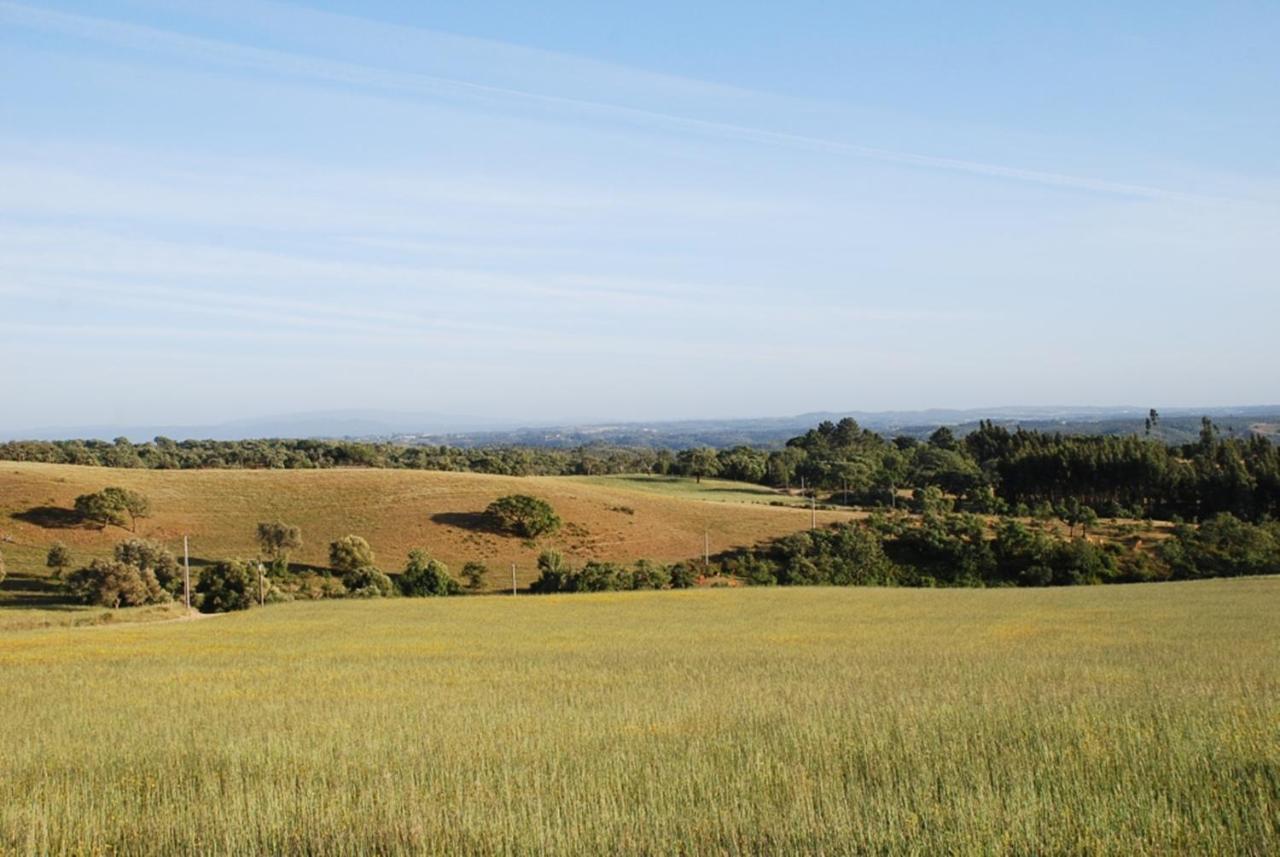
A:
(1109, 720)
(719, 490)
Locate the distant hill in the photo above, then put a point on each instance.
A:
(317, 424)
(1176, 425)
(618, 518)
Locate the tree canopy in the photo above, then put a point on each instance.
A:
(522, 515)
(350, 553)
(113, 507)
(277, 539)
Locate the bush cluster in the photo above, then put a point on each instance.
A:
(555, 574)
(112, 583)
(140, 572)
(957, 549)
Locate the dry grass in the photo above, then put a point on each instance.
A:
(396, 510)
(1118, 720)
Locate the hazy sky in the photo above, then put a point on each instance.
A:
(562, 210)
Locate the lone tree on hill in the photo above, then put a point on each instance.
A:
(138, 506)
(349, 554)
(100, 508)
(58, 558)
(276, 540)
(523, 515)
(110, 506)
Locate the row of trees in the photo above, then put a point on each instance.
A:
(165, 454)
(889, 549)
(142, 572)
(995, 470)
(957, 549)
(555, 574)
(992, 469)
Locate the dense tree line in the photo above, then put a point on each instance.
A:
(990, 470)
(555, 574)
(165, 454)
(957, 549)
(995, 470)
(1134, 475)
(143, 572)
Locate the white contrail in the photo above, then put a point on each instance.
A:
(281, 62)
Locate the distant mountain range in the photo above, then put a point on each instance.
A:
(1175, 425)
(314, 424)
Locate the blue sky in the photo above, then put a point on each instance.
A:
(634, 210)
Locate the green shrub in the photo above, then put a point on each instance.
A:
(58, 559)
(314, 587)
(598, 576)
(111, 583)
(650, 575)
(1223, 546)
(228, 585)
(147, 555)
(474, 573)
(424, 576)
(350, 553)
(1080, 561)
(277, 539)
(368, 582)
(752, 568)
(553, 573)
(683, 576)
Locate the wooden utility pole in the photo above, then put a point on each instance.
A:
(186, 573)
(262, 595)
(813, 511)
(706, 548)
(513, 578)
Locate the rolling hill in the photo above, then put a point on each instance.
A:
(616, 518)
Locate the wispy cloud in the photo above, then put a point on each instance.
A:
(318, 69)
(213, 192)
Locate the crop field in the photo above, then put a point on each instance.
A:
(1136, 719)
(616, 518)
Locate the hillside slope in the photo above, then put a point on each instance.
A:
(622, 518)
